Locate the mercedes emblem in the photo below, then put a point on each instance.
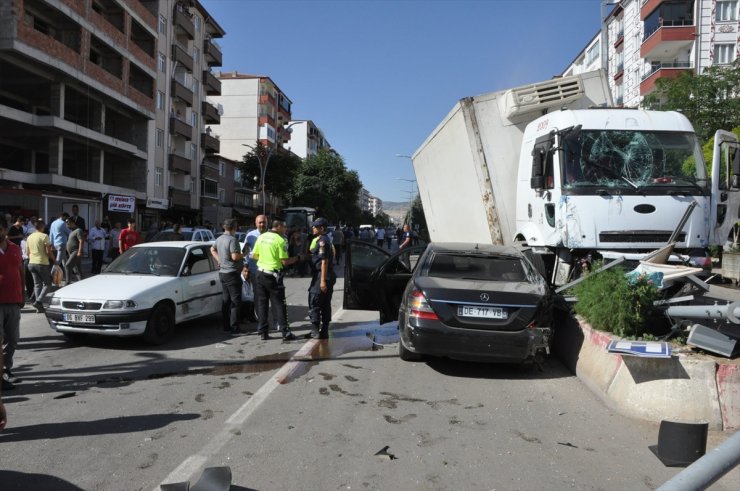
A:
(484, 297)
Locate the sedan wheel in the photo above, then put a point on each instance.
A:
(160, 326)
(407, 355)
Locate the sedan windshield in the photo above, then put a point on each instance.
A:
(477, 267)
(158, 261)
(634, 160)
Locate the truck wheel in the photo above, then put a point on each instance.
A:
(407, 355)
(160, 326)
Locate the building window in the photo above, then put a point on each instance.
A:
(237, 175)
(194, 119)
(162, 24)
(209, 188)
(162, 62)
(726, 11)
(160, 99)
(592, 53)
(193, 151)
(196, 55)
(196, 87)
(221, 169)
(192, 185)
(724, 54)
(158, 176)
(160, 137)
(221, 195)
(196, 23)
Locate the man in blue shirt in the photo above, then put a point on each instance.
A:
(260, 222)
(58, 235)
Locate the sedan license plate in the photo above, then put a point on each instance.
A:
(482, 312)
(83, 318)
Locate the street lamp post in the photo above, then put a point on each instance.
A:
(263, 154)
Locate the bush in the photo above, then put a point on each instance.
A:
(612, 302)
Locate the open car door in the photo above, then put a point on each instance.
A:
(361, 260)
(375, 280)
(390, 279)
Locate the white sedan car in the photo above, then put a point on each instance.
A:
(145, 291)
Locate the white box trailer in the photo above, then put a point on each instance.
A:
(550, 165)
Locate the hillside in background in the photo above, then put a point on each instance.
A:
(396, 210)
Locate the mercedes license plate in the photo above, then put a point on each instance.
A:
(482, 312)
(83, 318)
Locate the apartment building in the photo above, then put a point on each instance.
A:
(254, 110)
(363, 199)
(184, 146)
(642, 41)
(306, 139)
(86, 93)
(223, 194)
(375, 205)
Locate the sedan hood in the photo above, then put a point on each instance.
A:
(113, 286)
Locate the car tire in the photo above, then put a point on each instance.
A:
(160, 326)
(407, 355)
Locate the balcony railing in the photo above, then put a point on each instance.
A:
(210, 143)
(658, 66)
(182, 92)
(212, 83)
(210, 113)
(183, 21)
(179, 127)
(179, 198)
(214, 57)
(182, 56)
(178, 163)
(667, 23)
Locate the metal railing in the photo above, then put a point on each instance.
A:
(674, 64)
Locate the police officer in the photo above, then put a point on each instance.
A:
(322, 281)
(271, 254)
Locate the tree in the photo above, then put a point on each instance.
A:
(382, 220)
(711, 101)
(415, 216)
(282, 168)
(323, 182)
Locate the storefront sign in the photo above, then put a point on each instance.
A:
(158, 203)
(117, 202)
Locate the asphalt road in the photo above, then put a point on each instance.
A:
(117, 414)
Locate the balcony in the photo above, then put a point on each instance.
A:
(619, 39)
(662, 70)
(267, 99)
(181, 56)
(178, 163)
(210, 113)
(183, 22)
(211, 144)
(619, 72)
(178, 127)
(211, 83)
(179, 198)
(209, 170)
(668, 40)
(181, 92)
(212, 52)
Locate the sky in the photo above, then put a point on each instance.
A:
(377, 76)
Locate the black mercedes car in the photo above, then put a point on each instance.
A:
(465, 301)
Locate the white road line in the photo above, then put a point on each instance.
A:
(188, 468)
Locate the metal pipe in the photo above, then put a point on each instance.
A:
(683, 221)
(708, 469)
(730, 312)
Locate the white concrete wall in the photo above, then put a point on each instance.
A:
(239, 122)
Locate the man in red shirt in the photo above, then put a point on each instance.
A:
(12, 286)
(129, 237)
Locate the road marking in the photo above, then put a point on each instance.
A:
(188, 468)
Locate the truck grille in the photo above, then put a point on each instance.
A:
(639, 236)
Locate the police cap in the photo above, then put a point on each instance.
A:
(320, 222)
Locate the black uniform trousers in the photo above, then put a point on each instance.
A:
(319, 305)
(270, 290)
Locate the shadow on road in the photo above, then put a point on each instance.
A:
(124, 424)
(22, 481)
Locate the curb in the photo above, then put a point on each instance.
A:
(687, 388)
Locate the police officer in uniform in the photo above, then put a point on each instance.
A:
(271, 254)
(322, 280)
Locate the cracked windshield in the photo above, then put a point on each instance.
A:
(643, 161)
(369, 245)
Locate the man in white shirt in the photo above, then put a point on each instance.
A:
(97, 237)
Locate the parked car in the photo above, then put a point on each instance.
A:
(197, 234)
(465, 301)
(145, 291)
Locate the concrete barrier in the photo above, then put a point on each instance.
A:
(687, 388)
